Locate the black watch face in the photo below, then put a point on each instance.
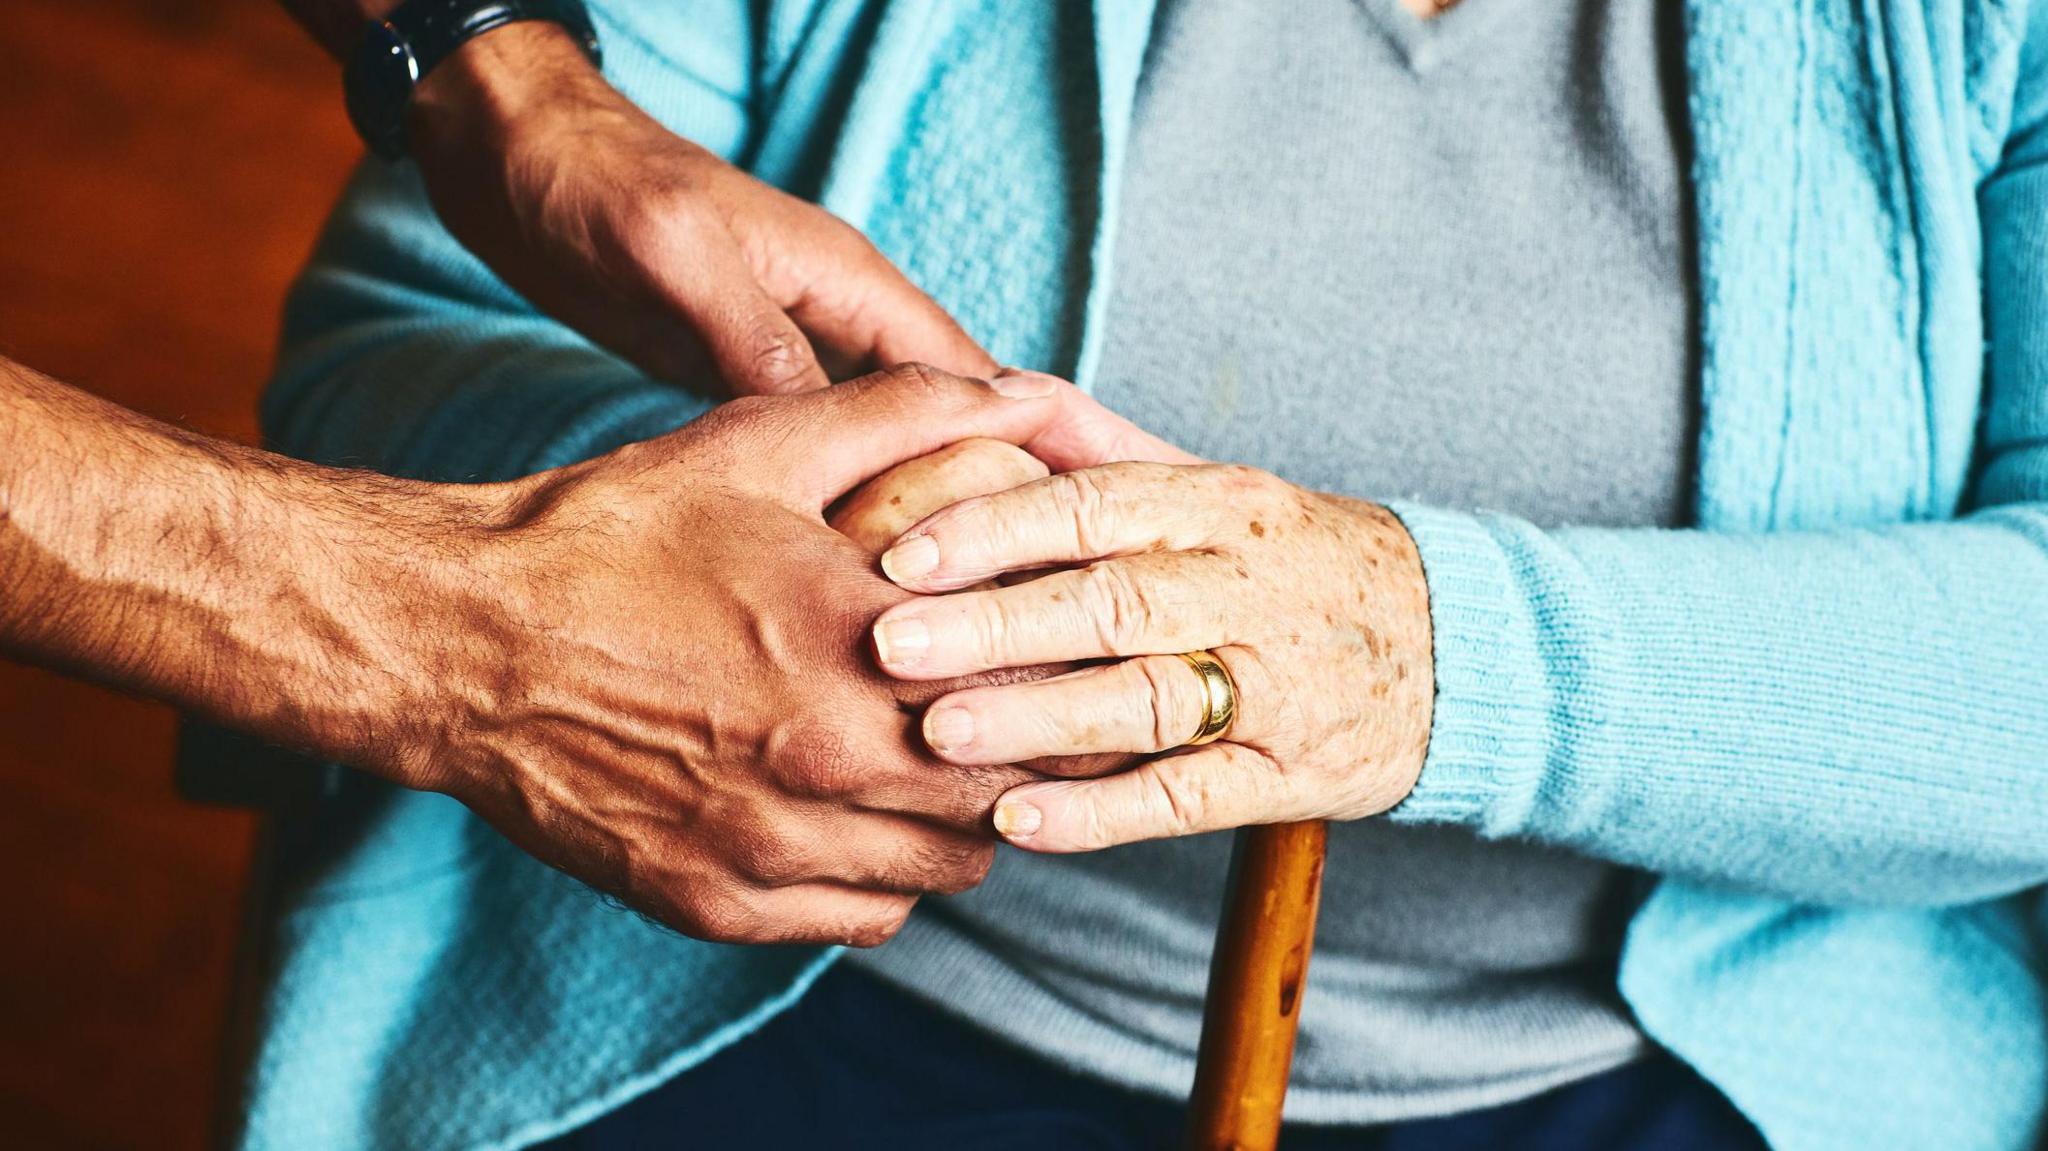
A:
(380, 81)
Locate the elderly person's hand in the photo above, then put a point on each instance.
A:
(1314, 604)
(881, 509)
(1085, 434)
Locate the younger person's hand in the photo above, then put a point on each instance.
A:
(652, 246)
(658, 679)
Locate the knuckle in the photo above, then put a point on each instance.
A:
(1085, 504)
(1266, 701)
(721, 916)
(920, 378)
(1165, 688)
(1182, 799)
(823, 767)
(993, 629)
(767, 855)
(1120, 608)
(952, 868)
(778, 358)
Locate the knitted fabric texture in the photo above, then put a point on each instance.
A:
(1825, 715)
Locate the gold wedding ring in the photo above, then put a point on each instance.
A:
(1219, 697)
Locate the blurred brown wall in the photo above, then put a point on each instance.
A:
(163, 167)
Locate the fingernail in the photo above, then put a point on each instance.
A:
(948, 728)
(1016, 819)
(910, 558)
(901, 642)
(1025, 385)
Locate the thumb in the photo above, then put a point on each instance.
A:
(825, 444)
(1084, 434)
(755, 348)
(861, 311)
(877, 319)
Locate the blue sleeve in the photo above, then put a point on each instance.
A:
(1856, 716)
(403, 353)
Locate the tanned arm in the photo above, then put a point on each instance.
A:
(648, 244)
(268, 594)
(644, 669)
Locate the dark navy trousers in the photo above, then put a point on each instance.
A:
(859, 1065)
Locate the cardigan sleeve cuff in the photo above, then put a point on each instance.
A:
(1488, 729)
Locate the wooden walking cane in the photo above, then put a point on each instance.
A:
(1256, 980)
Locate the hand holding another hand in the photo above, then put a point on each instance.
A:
(654, 669)
(1315, 604)
(888, 505)
(660, 682)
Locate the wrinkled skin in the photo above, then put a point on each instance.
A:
(1315, 604)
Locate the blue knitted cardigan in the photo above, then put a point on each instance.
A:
(1823, 716)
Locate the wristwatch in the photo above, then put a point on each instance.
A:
(399, 51)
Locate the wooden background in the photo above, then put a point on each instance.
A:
(163, 167)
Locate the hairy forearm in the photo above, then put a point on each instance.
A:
(275, 596)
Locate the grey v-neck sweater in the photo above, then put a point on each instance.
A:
(1447, 262)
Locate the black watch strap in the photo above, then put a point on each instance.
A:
(397, 53)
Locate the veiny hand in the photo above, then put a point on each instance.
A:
(1315, 603)
(650, 245)
(662, 683)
